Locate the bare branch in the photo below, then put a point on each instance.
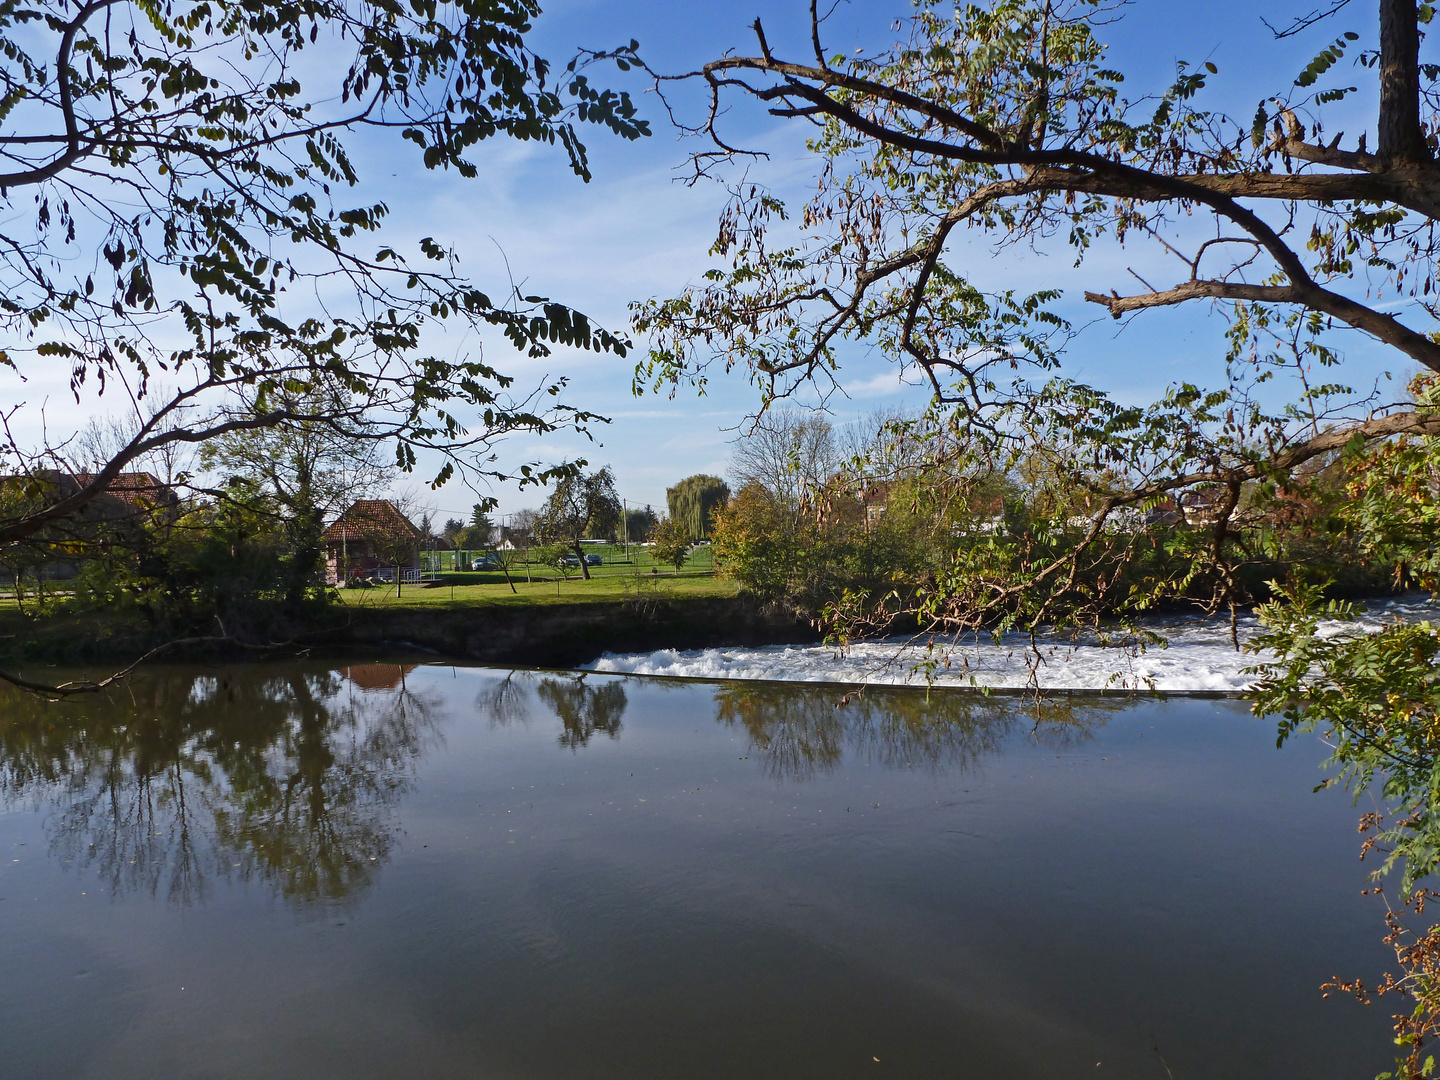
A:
(87, 686)
(1304, 22)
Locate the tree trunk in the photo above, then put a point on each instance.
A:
(584, 570)
(1402, 140)
(305, 554)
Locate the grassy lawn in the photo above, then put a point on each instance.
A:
(614, 580)
(617, 579)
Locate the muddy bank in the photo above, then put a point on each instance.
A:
(542, 635)
(563, 635)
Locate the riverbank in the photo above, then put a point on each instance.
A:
(539, 630)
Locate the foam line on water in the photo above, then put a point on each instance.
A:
(1201, 656)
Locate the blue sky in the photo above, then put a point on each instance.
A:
(636, 232)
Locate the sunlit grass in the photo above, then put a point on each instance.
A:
(490, 589)
(615, 580)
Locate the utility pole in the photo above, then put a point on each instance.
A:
(625, 527)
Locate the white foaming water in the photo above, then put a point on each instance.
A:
(1201, 657)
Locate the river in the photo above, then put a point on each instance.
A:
(382, 870)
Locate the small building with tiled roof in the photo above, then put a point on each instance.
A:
(130, 503)
(137, 489)
(372, 538)
(128, 495)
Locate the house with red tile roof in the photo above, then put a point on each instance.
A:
(130, 495)
(372, 538)
(136, 489)
(131, 502)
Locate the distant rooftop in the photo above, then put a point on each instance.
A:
(372, 519)
(131, 488)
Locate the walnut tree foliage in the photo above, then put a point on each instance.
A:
(182, 207)
(997, 127)
(1003, 122)
(581, 506)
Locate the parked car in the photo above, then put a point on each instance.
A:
(568, 560)
(594, 560)
(486, 562)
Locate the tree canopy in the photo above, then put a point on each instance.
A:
(308, 469)
(581, 505)
(789, 453)
(181, 197)
(1004, 119)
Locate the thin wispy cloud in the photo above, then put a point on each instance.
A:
(885, 384)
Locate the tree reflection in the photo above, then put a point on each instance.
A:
(799, 732)
(802, 731)
(287, 777)
(505, 701)
(584, 708)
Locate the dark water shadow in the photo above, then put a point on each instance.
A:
(286, 777)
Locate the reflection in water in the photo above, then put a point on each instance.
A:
(653, 906)
(799, 732)
(583, 708)
(378, 676)
(506, 701)
(290, 776)
(280, 776)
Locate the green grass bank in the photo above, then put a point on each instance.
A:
(477, 617)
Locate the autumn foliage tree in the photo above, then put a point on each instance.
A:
(670, 542)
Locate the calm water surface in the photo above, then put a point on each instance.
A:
(377, 871)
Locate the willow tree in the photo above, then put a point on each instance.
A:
(180, 197)
(1003, 122)
(694, 500)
